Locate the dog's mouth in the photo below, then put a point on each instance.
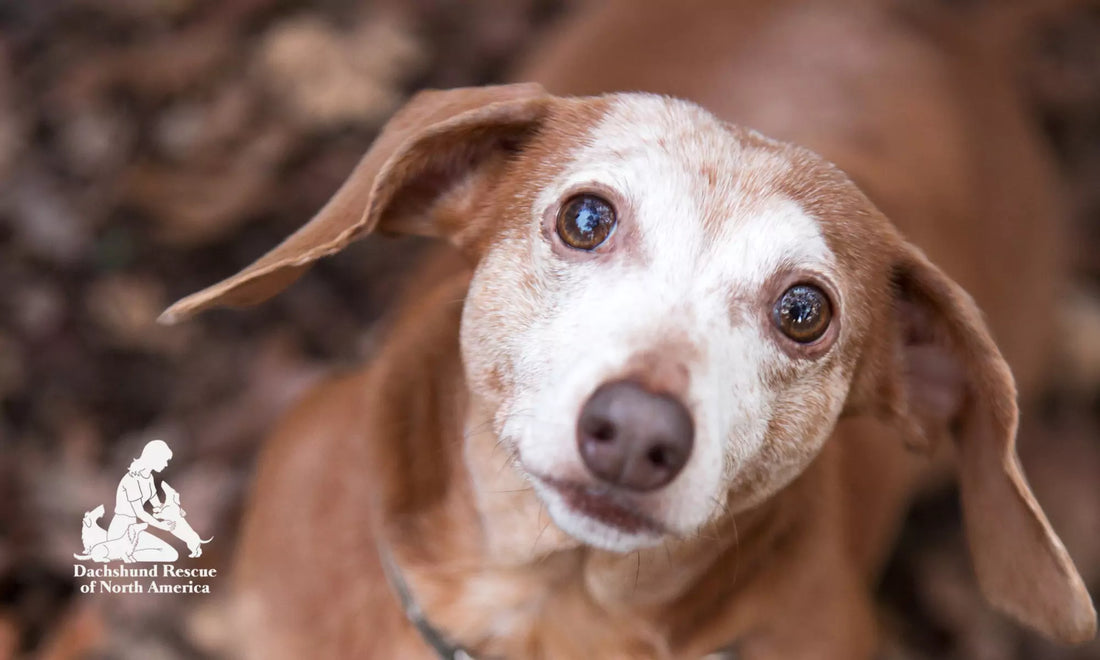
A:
(604, 506)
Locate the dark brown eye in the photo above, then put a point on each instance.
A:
(585, 221)
(803, 313)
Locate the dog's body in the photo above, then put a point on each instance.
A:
(173, 511)
(454, 450)
(920, 108)
(121, 548)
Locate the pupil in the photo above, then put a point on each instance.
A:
(588, 217)
(802, 311)
(803, 307)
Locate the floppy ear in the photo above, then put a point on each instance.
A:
(436, 149)
(956, 383)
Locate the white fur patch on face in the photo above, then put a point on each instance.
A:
(589, 530)
(704, 230)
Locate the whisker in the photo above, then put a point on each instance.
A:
(514, 490)
(539, 535)
(736, 551)
(477, 429)
(511, 460)
(530, 414)
(706, 532)
(721, 505)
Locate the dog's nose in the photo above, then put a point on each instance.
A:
(633, 438)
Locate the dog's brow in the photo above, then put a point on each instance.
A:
(701, 191)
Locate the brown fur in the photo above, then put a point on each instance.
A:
(392, 454)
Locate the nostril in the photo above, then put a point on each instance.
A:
(659, 456)
(604, 431)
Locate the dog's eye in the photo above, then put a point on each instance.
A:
(803, 313)
(585, 221)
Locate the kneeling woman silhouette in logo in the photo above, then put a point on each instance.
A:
(134, 490)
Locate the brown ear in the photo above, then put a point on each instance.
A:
(958, 384)
(439, 143)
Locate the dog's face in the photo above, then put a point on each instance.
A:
(171, 495)
(172, 506)
(669, 264)
(133, 530)
(668, 315)
(90, 517)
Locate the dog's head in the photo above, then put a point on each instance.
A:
(669, 314)
(133, 530)
(172, 499)
(171, 495)
(90, 517)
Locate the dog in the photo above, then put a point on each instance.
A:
(657, 393)
(117, 548)
(173, 511)
(91, 533)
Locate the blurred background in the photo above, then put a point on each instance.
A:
(150, 147)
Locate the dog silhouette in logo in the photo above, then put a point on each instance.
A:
(90, 532)
(174, 512)
(115, 549)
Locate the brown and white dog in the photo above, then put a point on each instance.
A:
(656, 402)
